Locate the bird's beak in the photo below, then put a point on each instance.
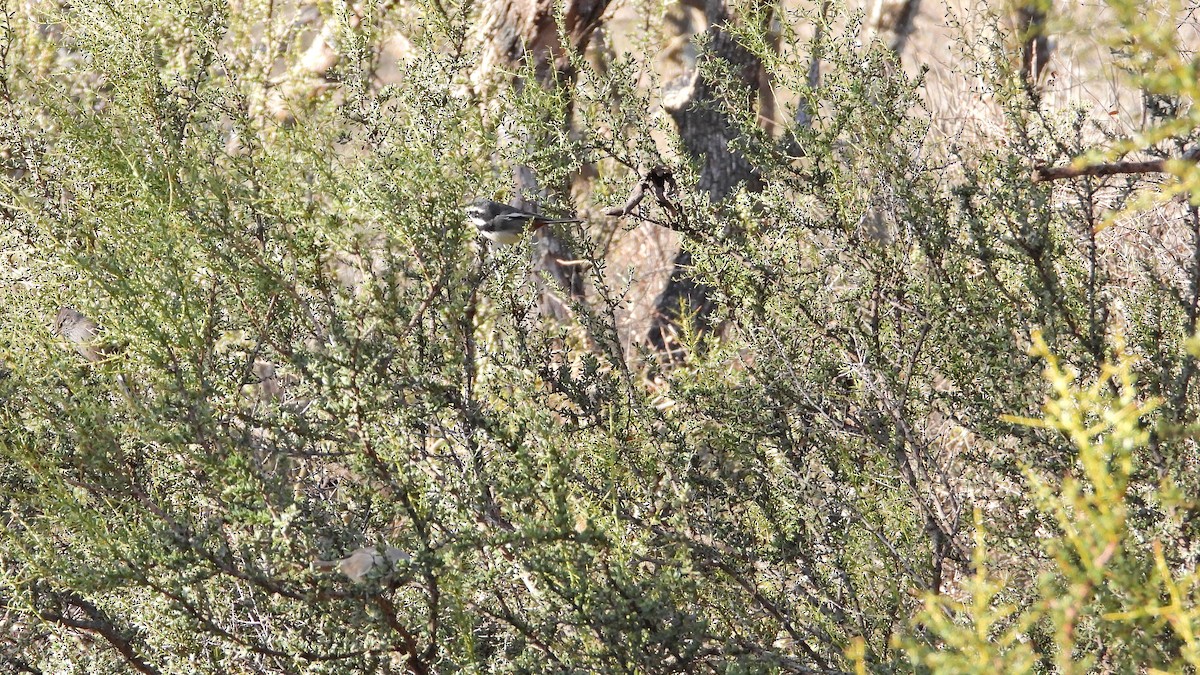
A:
(537, 224)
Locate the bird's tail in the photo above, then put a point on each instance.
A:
(539, 222)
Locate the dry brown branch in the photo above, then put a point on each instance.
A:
(70, 610)
(1043, 174)
(660, 181)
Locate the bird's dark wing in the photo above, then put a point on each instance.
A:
(506, 210)
(510, 221)
(513, 218)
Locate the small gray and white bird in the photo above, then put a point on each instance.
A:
(505, 224)
(84, 335)
(80, 331)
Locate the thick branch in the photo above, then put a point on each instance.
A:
(99, 623)
(515, 31)
(415, 665)
(1043, 174)
(660, 181)
(804, 114)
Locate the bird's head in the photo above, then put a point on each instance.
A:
(480, 212)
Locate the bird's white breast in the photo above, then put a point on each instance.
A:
(504, 238)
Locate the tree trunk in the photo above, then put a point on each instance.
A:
(518, 30)
(706, 131)
(892, 21)
(1035, 44)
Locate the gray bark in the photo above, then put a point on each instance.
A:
(706, 131)
(1035, 44)
(892, 21)
(527, 30)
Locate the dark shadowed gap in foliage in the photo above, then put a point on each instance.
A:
(706, 131)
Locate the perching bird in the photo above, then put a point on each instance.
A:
(81, 331)
(505, 224)
(84, 334)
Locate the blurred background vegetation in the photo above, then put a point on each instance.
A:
(891, 368)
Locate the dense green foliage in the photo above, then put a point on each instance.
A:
(330, 433)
